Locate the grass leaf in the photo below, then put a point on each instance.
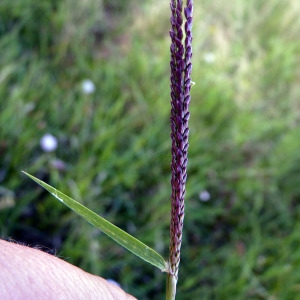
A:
(123, 238)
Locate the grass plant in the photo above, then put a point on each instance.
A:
(114, 143)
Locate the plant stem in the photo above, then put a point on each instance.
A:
(171, 287)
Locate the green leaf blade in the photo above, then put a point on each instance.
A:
(120, 236)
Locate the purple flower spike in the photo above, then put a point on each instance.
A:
(181, 67)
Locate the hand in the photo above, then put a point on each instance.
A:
(27, 273)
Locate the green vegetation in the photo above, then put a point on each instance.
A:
(115, 146)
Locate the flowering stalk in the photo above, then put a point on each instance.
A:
(181, 67)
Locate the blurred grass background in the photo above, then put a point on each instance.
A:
(114, 146)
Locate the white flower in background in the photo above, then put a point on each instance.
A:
(88, 86)
(48, 142)
(58, 164)
(204, 196)
(113, 282)
(209, 57)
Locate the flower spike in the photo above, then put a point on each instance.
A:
(181, 67)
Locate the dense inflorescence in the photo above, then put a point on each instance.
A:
(181, 67)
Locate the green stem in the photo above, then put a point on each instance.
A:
(171, 287)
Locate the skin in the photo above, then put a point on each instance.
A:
(27, 273)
